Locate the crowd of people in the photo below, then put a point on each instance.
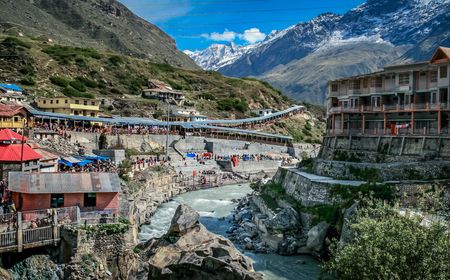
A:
(7, 202)
(94, 166)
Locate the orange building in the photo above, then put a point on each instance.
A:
(89, 191)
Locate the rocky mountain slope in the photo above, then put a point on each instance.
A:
(47, 69)
(369, 36)
(101, 24)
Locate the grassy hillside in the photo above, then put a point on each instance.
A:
(46, 69)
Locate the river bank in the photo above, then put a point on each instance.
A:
(215, 206)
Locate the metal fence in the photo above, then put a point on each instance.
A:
(38, 235)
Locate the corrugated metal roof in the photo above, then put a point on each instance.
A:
(41, 182)
(244, 131)
(153, 122)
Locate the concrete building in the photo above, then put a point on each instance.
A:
(89, 191)
(161, 91)
(408, 99)
(70, 106)
(13, 116)
(263, 112)
(184, 115)
(13, 97)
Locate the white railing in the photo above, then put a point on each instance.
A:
(37, 234)
(8, 239)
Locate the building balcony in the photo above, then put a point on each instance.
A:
(392, 108)
(425, 131)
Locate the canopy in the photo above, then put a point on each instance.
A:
(13, 153)
(9, 135)
(95, 157)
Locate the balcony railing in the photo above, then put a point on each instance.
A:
(391, 108)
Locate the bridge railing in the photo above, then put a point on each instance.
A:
(40, 234)
(8, 239)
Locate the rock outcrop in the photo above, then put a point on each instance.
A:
(189, 251)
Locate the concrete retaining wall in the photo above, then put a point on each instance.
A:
(387, 148)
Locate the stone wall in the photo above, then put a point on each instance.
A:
(302, 189)
(250, 167)
(381, 172)
(386, 148)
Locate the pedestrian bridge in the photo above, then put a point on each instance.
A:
(39, 228)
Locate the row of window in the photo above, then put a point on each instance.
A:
(51, 101)
(404, 80)
(57, 200)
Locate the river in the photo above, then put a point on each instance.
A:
(216, 203)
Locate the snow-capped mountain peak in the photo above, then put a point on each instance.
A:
(217, 56)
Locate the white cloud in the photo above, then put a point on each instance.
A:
(227, 36)
(252, 35)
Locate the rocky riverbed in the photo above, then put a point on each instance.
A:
(216, 208)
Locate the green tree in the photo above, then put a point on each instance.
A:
(386, 245)
(102, 142)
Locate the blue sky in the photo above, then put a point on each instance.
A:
(196, 24)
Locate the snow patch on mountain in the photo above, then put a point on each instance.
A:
(218, 55)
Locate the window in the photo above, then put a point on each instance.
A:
(57, 101)
(16, 119)
(355, 84)
(93, 103)
(92, 114)
(376, 101)
(403, 79)
(44, 101)
(443, 72)
(57, 200)
(85, 102)
(77, 101)
(376, 82)
(365, 83)
(90, 199)
(433, 76)
(51, 101)
(66, 101)
(334, 87)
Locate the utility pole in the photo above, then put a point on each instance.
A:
(21, 148)
(168, 129)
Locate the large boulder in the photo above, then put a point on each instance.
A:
(349, 215)
(36, 267)
(316, 237)
(286, 220)
(190, 251)
(185, 219)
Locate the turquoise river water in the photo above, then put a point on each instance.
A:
(213, 204)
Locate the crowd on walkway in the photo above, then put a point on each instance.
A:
(94, 166)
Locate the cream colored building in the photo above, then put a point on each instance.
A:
(70, 106)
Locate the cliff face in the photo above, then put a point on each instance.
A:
(101, 24)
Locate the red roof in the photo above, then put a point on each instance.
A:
(9, 111)
(9, 135)
(12, 153)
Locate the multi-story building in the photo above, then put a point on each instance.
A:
(409, 99)
(70, 106)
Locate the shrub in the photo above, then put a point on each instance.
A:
(88, 82)
(13, 41)
(115, 60)
(229, 104)
(27, 70)
(59, 81)
(28, 81)
(76, 84)
(66, 54)
(386, 245)
(71, 92)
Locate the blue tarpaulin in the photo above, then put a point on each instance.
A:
(190, 155)
(65, 162)
(11, 87)
(95, 157)
(84, 162)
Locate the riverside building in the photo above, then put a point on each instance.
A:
(408, 99)
(70, 106)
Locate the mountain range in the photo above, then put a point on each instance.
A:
(302, 58)
(101, 24)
